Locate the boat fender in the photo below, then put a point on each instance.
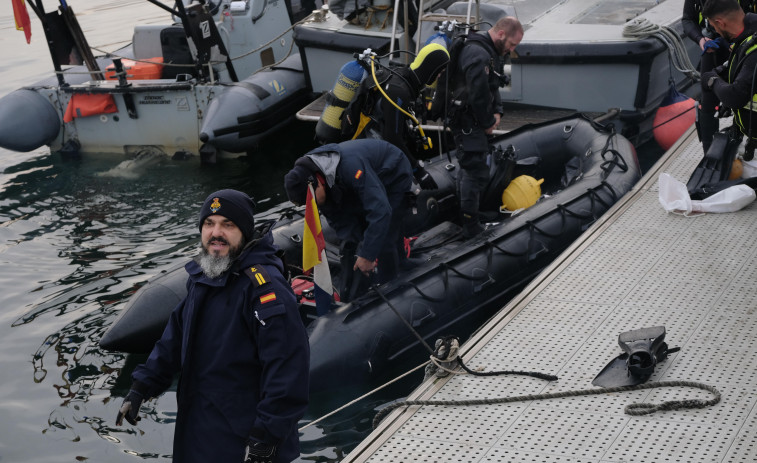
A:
(674, 117)
(329, 126)
(521, 193)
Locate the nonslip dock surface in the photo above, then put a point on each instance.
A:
(637, 267)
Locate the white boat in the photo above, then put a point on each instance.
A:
(590, 56)
(215, 79)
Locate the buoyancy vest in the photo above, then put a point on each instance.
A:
(746, 116)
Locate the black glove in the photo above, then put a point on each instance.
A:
(130, 408)
(259, 452)
(723, 112)
(709, 78)
(425, 180)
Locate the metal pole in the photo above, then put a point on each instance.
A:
(420, 23)
(394, 28)
(405, 56)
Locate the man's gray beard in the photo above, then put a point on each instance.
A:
(214, 266)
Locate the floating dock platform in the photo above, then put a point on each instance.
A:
(637, 267)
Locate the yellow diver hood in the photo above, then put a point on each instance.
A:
(429, 63)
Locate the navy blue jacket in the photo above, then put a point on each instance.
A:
(368, 180)
(243, 354)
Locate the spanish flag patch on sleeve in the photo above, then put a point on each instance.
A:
(267, 297)
(358, 174)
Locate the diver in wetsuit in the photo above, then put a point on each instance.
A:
(476, 109)
(715, 52)
(734, 83)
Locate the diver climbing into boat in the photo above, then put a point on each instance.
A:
(386, 105)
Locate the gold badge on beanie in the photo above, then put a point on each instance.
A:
(215, 205)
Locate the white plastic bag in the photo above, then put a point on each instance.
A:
(674, 197)
(731, 199)
(750, 168)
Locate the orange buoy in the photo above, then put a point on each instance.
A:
(674, 117)
(737, 169)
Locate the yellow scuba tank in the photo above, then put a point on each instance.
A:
(521, 193)
(329, 126)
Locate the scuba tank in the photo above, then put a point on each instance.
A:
(329, 126)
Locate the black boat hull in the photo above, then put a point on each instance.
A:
(586, 170)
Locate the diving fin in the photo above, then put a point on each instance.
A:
(716, 164)
(642, 350)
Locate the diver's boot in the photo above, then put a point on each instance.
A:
(708, 126)
(645, 348)
(471, 226)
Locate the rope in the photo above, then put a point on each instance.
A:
(534, 374)
(640, 28)
(445, 358)
(407, 324)
(363, 396)
(634, 409)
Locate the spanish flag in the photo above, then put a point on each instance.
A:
(314, 255)
(22, 19)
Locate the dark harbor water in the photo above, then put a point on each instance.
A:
(77, 238)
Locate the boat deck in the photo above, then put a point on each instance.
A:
(637, 267)
(514, 117)
(544, 20)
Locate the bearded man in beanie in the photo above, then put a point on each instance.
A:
(238, 342)
(361, 187)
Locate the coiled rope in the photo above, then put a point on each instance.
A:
(640, 28)
(634, 409)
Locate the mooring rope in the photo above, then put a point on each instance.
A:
(318, 420)
(634, 409)
(642, 28)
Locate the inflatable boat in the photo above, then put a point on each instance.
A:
(607, 54)
(581, 169)
(217, 80)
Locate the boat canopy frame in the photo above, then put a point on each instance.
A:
(431, 17)
(64, 27)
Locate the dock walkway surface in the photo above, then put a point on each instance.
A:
(637, 267)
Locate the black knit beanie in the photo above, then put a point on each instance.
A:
(235, 206)
(296, 180)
